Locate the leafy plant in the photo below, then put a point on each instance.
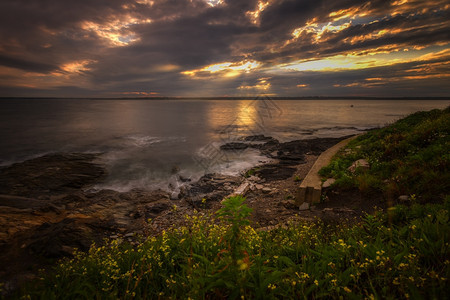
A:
(235, 213)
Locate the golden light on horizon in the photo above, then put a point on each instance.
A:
(357, 61)
(263, 85)
(224, 70)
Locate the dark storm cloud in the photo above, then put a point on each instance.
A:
(26, 65)
(117, 46)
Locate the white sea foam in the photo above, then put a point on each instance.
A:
(142, 140)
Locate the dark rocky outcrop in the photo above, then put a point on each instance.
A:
(234, 146)
(50, 174)
(210, 188)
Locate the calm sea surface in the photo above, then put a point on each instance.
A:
(145, 142)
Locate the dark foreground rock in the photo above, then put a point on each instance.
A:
(50, 174)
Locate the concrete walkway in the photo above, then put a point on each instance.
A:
(311, 187)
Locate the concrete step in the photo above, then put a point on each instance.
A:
(310, 189)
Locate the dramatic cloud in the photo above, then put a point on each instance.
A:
(132, 48)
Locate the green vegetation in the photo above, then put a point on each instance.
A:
(251, 172)
(402, 254)
(409, 157)
(297, 178)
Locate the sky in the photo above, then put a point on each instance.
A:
(202, 48)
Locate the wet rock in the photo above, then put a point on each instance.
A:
(258, 138)
(234, 146)
(51, 174)
(212, 186)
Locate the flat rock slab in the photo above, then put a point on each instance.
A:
(242, 189)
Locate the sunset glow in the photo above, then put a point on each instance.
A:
(226, 69)
(225, 48)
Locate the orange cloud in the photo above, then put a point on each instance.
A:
(223, 70)
(254, 15)
(263, 84)
(116, 32)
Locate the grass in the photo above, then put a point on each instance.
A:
(409, 157)
(397, 254)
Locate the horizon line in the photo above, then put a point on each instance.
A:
(260, 97)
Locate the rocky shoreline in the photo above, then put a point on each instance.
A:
(48, 208)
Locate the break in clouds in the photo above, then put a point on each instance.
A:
(112, 48)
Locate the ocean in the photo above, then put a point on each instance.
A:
(149, 143)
